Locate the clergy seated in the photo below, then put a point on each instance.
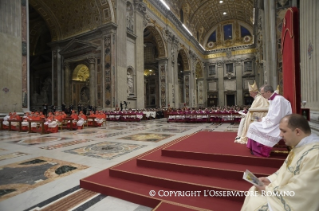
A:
(295, 185)
(258, 109)
(265, 133)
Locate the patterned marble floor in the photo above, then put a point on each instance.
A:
(38, 169)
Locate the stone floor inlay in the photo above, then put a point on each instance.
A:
(105, 150)
(66, 144)
(22, 176)
(18, 136)
(113, 134)
(171, 130)
(11, 155)
(39, 140)
(152, 137)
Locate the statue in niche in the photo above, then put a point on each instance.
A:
(130, 83)
(129, 17)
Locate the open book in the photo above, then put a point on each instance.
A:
(251, 178)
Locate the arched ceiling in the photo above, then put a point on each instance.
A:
(202, 15)
(72, 17)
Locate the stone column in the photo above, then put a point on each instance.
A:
(273, 46)
(92, 81)
(67, 83)
(239, 83)
(221, 90)
(270, 44)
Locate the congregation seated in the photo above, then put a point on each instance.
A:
(213, 114)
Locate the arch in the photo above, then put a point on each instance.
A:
(50, 19)
(160, 44)
(184, 56)
(80, 73)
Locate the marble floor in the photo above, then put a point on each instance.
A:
(37, 170)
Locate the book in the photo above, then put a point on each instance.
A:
(251, 178)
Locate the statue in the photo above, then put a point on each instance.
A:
(130, 83)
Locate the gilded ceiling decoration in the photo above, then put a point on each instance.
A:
(202, 15)
(69, 18)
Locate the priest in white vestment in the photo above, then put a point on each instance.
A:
(259, 102)
(295, 185)
(264, 134)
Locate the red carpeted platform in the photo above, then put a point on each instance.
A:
(202, 163)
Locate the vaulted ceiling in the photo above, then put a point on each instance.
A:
(72, 17)
(202, 15)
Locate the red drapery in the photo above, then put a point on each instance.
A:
(291, 59)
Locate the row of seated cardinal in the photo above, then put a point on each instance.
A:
(52, 121)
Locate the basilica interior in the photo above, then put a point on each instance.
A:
(149, 53)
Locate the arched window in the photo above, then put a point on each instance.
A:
(244, 32)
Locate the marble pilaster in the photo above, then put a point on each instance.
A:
(139, 57)
(92, 80)
(67, 82)
(221, 94)
(11, 56)
(163, 93)
(309, 58)
(239, 81)
(187, 89)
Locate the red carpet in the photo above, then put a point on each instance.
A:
(205, 161)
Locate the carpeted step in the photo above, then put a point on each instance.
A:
(180, 180)
(208, 167)
(138, 192)
(220, 147)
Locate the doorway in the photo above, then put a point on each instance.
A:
(230, 100)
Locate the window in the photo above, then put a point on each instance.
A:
(212, 37)
(248, 66)
(212, 70)
(228, 32)
(229, 68)
(244, 31)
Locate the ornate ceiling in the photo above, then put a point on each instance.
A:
(202, 15)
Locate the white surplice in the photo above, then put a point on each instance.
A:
(299, 176)
(267, 131)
